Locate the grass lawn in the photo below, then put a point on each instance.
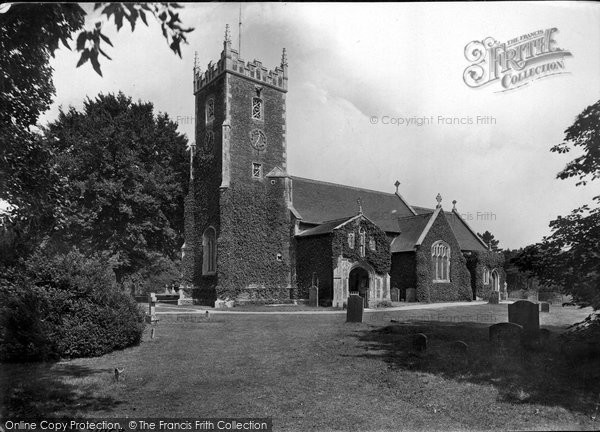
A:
(315, 372)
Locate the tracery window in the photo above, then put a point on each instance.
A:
(257, 108)
(440, 262)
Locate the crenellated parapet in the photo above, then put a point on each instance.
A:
(231, 62)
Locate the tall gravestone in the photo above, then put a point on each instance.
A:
(527, 315)
(494, 297)
(395, 294)
(411, 294)
(354, 313)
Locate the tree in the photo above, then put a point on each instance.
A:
(29, 36)
(570, 256)
(124, 171)
(489, 240)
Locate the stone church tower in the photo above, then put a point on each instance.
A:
(237, 233)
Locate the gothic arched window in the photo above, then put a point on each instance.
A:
(351, 240)
(210, 110)
(440, 262)
(486, 276)
(209, 251)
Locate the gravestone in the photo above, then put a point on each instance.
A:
(460, 353)
(494, 297)
(313, 296)
(544, 334)
(151, 307)
(419, 342)
(460, 347)
(527, 315)
(506, 336)
(545, 307)
(395, 293)
(354, 313)
(411, 295)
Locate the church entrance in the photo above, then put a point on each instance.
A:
(359, 282)
(495, 281)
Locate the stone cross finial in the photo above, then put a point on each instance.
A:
(454, 204)
(284, 58)
(438, 198)
(397, 184)
(227, 33)
(360, 209)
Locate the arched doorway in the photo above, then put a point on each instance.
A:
(495, 281)
(358, 281)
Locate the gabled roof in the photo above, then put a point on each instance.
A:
(467, 238)
(413, 228)
(318, 202)
(329, 226)
(325, 228)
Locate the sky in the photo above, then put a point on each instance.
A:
(359, 72)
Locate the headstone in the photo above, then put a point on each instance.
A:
(420, 342)
(395, 293)
(494, 297)
(527, 315)
(411, 295)
(313, 296)
(545, 307)
(544, 334)
(460, 347)
(506, 336)
(354, 313)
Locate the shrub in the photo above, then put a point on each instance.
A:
(66, 305)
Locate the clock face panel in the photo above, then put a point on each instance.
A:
(258, 139)
(209, 141)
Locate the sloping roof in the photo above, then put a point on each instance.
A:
(467, 238)
(412, 227)
(324, 228)
(318, 202)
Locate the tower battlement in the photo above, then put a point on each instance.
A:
(230, 61)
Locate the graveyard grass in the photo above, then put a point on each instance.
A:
(316, 372)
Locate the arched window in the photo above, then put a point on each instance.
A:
(372, 244)
(495, 280)
(440, 262)
(486, 276)
(351, 240)
(362, 240)
(210, 110)
(209, 251)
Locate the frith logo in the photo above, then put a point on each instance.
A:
(515, 63)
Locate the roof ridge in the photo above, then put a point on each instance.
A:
(336, 219)
(342, 185)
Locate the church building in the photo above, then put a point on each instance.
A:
(255, 233)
